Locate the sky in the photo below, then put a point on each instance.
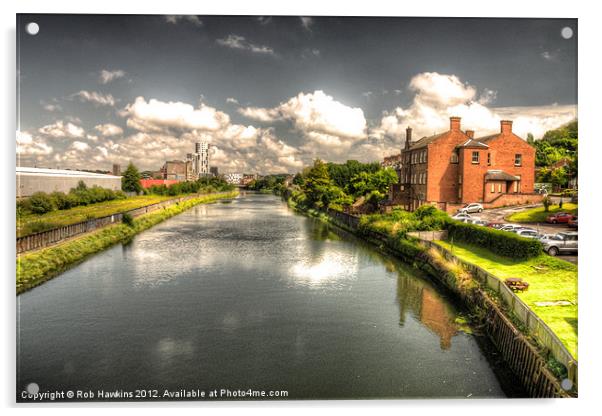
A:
(270, 94)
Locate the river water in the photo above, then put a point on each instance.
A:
(246, 294)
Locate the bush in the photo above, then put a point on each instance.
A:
(127, 219)
(500, 242)
(41, 203)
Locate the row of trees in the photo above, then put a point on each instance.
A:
(269, 183)
(338, 186)
(558, 145)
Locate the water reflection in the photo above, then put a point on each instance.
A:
(415, 296)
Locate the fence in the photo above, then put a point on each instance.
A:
(45, 238)
(524, 360)
(544, 335)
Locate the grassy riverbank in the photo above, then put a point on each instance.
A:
(550, 280)
(32, 223)
(36, 267)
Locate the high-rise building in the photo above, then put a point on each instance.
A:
(200, 159)
(116, 169)
(213, 170)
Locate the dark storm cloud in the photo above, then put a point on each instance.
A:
(277, 87)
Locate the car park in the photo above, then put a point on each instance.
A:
(560, 218)
(471, 208)
(560, 243)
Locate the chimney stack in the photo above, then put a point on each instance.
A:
(506, 126)
(470, 133)
(408, 137)
(454, 123)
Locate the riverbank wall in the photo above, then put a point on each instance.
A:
(37, 267)
(523, 358)
(48, 238)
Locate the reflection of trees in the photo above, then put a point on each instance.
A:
(416, 296)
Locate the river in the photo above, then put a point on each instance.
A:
(246, 294)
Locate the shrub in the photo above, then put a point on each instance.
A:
(127, 219)
(500, 242)
(41, 203)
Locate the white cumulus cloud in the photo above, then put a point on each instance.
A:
(96, 98)
(106, 76)
(108, 130)
(60, 129)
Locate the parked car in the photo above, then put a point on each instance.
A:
(573, 223)
(512, 227)
(528, 233)
(461, 216)
(480, 222)
(469, 208)
(497, 225)
(560, 218)
(560, 243)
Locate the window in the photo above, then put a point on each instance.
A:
(499, 187)
(515, 186)
(489, 159)
(475, 158)
(454, 158)
(460, 179)
(518, 159)
(492, 187)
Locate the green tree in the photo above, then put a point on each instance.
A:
(559, 178)
(130, 181)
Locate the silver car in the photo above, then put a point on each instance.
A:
(528, 233)
(512, 227)
(474, 207)
(560, 243)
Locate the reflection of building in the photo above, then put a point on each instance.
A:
(454, 168)
(31, 180)
(233, 178)
(427, 306)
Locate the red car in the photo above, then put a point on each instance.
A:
(560, 218)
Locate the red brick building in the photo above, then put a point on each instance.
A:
(454, 168)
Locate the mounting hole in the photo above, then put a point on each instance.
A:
(566, 384)
(566, 32)
(32, 28)
(32, 388)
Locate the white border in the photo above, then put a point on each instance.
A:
(590, 289)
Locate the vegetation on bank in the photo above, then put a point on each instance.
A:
(550, 280)
(499, 242)
(269, 184)
(557, 145)
(36, 267)
(33, 223)
(539, 214)
(339, 186)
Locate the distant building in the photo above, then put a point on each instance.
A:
(31, 180)
(213, 171)
(454, 168)
(248, 178)
(147, 183)
(234, 178)
(116, 169)
(177, 170)
(393, 161)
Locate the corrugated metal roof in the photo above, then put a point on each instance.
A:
(61, 172)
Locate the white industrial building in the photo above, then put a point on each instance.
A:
(31, 180)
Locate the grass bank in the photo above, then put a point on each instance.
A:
(550, 280)
(539, 214)
(37, 267)
(32, 223)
